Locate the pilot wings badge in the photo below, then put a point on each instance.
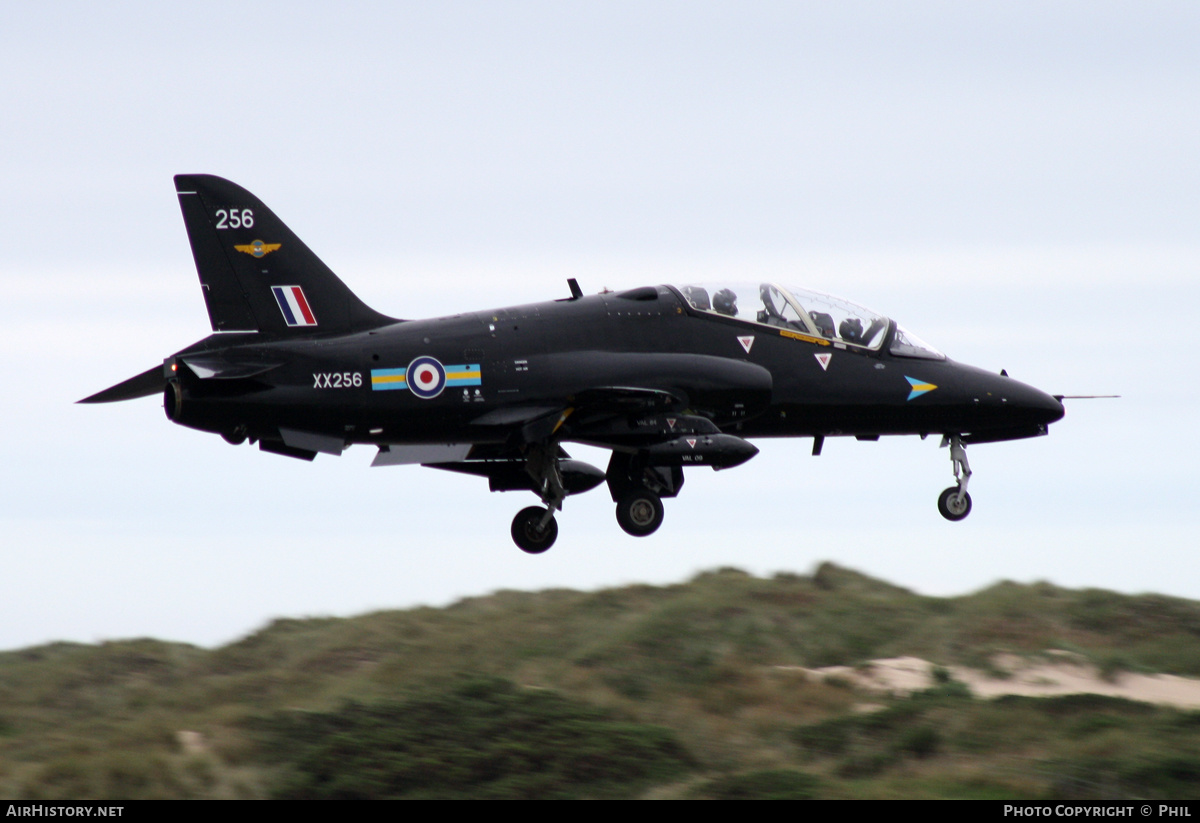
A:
(258, 248)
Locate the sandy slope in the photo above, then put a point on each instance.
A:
(1053, 673)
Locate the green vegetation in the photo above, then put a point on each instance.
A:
(482, 738)
(692, 690)
(1077, 746)
(770, 784)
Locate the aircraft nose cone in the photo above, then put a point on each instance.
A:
(1035, 405)
(1053, 407)
(1001, 405)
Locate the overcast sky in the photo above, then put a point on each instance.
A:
(1015, 182)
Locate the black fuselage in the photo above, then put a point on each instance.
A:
(525, 358)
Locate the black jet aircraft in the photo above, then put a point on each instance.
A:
(667, 377)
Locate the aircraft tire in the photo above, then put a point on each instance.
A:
(952, 506)
(640, 513)
(525, 532)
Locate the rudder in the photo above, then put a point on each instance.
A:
(257, 275)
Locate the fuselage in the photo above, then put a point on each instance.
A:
(461, 378)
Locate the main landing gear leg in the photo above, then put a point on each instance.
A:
(954, 503)
(534, 529)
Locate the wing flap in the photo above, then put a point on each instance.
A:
(312, 441)
(427, 454)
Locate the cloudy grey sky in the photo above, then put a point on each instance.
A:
(1016, 182)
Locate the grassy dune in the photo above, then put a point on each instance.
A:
(692, 690)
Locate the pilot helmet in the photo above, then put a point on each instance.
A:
(851, 330)
(725, 302)
(823, 321)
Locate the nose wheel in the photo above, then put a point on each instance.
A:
(954, 503)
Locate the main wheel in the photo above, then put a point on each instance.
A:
(526, 534)
(954, 506)
(640, 513)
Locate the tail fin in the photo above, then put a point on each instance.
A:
(256, 274)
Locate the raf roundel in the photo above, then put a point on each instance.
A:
(426, 377)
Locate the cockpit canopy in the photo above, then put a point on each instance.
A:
(806, 312)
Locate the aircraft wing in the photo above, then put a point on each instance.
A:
(636, 399)
(626, 419)
(626, 399)
(541, 423)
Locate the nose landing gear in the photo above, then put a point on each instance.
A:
(954, 503)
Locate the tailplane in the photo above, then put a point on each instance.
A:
(257, 275)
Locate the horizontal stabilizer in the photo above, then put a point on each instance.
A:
(149, 382)
(208, 367)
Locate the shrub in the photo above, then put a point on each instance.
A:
(482, 738)
(776, 784)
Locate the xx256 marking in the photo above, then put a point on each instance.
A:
(337, 380)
